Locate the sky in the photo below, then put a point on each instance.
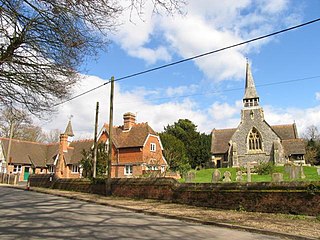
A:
(209, 90)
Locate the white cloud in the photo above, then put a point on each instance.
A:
(208, 25)
(218, 115)
(318, 95)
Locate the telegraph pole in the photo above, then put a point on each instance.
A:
(95, 144)
(9, 145)
(110, 128)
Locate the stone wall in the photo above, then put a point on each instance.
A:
(292, 197)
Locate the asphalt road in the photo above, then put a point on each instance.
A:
(32, 215)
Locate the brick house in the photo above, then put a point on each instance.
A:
(61, 158)
(254, 140)
(136, 149)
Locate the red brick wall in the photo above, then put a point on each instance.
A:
(292, 197)
(157, 155)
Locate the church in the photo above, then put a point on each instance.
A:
(254, 141)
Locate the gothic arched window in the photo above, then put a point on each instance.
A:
(254, 140)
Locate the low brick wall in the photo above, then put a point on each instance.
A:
(291, 197)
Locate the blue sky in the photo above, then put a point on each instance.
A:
(202, 90)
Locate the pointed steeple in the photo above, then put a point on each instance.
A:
(69, 130)
(251, 97)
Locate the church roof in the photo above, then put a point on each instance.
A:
(220, 140)
(287, 133)
(294, 146)
(250, 89)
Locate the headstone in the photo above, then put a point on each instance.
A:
(248, 173)
(294, 172)
(277, 177)
(227, 176)
(239, 176)
(216, 175)
(302, 175)
(287, 167)
(190, 177)
(318, 171)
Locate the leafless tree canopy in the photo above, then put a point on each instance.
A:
(43, 42)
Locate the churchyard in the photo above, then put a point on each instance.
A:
(309, 173)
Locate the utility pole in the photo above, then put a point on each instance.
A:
(95, 144)
(110, 128)
(9, 145)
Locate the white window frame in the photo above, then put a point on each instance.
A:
(128, 170)
(51, 169)
(75, 168)
(153, 147)
(17, 168)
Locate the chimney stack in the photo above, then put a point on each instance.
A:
(129, 119)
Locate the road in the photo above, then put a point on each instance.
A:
(32, 215)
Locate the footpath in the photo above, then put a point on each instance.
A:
(281, 225)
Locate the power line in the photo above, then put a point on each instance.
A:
(226, 90)
(191, 58)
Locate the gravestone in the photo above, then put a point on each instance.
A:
(216, 175)
(248, 173)
(287, 167)
(190, 177)
(239, 176)
(294, 172)
(318, 171)
(227, 176)
(277, 177)
(302, 175)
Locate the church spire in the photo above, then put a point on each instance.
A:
(251, 97)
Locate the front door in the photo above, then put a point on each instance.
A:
(26, 173)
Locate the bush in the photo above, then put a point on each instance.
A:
(264, 168)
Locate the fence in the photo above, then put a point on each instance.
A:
(9, 178)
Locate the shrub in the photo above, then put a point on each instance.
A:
(264, 168)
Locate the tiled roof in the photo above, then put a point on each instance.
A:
(220, 140)
(78, 147)
(285, 132)
(24, 152)
(135, 137)
(294, 146)
(41, 154)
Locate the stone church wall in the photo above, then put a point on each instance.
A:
(250, 118)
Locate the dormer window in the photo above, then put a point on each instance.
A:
(254, 140)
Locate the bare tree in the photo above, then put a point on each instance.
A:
(21, 124)
(52, 136)
(43, 43)
(311, 133)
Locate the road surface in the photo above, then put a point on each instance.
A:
(32, 215)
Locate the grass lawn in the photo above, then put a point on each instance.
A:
(204, 175)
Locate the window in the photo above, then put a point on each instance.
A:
(254, 140)
(17, 168)
(51, 169)
(75, 168)
(152, 147)
(128, 170)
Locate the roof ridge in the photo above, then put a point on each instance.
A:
(82, 140)
(280, 125)
(25, 141)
